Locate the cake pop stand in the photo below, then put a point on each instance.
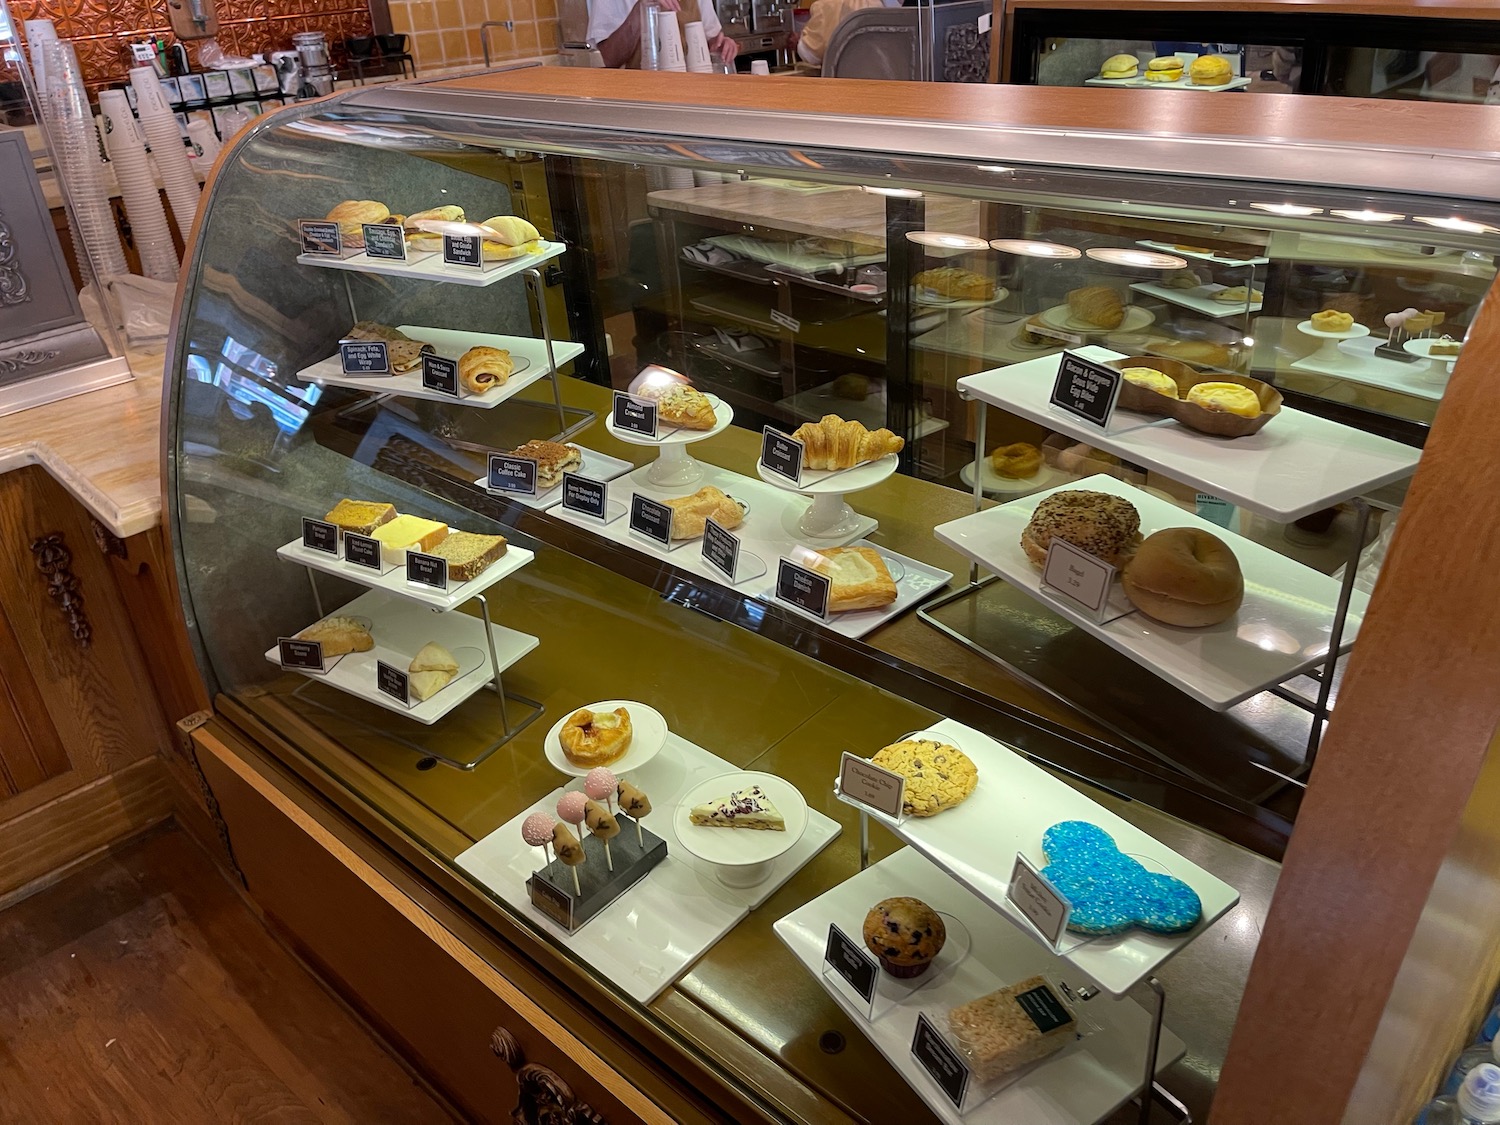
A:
(1437, 368)
(740, 857)
(1329, 355)
(673, 466)
(828, 516)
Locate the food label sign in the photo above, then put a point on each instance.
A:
(386, 241)
(806, 589)
(463, 250)
(652, 519)
(365, 357)
(1038, 901)
(319, 237)
(877, 788)
(1086, 389)
(721, 549)
(634, 415)
(512, 474)
(781, 455)
(849, 959)
(319, 535)
(943, 1064)
(584, 496)
(1078, 576)
(440, 374)
(393, 682)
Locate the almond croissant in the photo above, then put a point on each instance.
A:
(833, 443)
(1097, 304)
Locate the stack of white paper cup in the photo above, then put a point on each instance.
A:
(205, 147)
(759, 66)
(699, 61)
(671, 57)
(127, 154)
(167, 149)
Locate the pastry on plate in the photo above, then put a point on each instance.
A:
(1164, 68)
(411, 533)
(1098, 305)
(905, 934)
(1184, 576)
(859, 578)
(955, 284)
(832, 443)
(1446, 346)
(743, 808)
(514, 238)
(1098, 523)
(449, 213)
(938, 776)
(360, 516)
(1195, 351)
(481, 368)
(855, 388)
(1011, 1027)
(1034, 334)
(351, 216)
(1210, 70)
(468, 554)
(1152, 380)
(1111, 892)
(681, 405)
(1331, 320)
(689, 513)
(404, 353)
(1181, 279)
(596, 738)
(430, 671)
(552, 458)
(1238, 295)
(1018, 461)
(1229, 398)
(339, 635)
(1120, 66)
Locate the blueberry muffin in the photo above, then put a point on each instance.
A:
(905, 934)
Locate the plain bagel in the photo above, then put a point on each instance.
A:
(1185, 576)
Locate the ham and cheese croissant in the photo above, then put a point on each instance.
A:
(482, 367)
(1097, 304)
(833, 443)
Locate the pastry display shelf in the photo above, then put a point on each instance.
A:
(1199, 299)
(452, 345)
(394, 581)
(430, 267)
(1199, 256)
(1081, 1084)
(1355, 360)
(1139, 82)
(1014, 803)
(1281, 629)
(1296, 465)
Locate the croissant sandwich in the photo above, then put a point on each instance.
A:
(1097, 304)
(833, 443)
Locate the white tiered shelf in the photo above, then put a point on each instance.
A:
(393, 581)
(430, 267)
(1200, 299)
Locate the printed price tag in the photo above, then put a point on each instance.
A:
(721, 549)
(1086, 389)
(551, 901)
(849, 959)
(386, 241)
(463, 250)
(782, 455)
(319, 237)
(511, 474)
(393, 682)
(1078, 576)
(876, 787)
(426, 570)
(652, 519)
(803, 588)
(584, 496)
(320, 536)
(943, 1064)
(636, 415)
(790, 323)
(1215, 510)
(302, 654)
(1038, 900)
(362, 550)
(365, 357)
(439, 374)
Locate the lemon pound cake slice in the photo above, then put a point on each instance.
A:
(743, 808)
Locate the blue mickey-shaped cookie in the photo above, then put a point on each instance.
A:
(1111, 892)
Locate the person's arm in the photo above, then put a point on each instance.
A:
(719, 43)
(619, 45)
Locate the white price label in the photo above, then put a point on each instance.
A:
(1078, 575)
(1038, 900)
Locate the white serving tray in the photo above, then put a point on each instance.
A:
(1081, 1084)
(1199, 299)
(1296, 465)
(1014, 803)
(918, 583)
(452, 345)
(394, 581)
(1139, 83)
(1362, 365)
(596, 466)
(1171, 249)
(430, 266)
(400, 628)
(1281, 629)
(648, 937)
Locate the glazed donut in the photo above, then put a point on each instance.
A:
(1020, 461)
(1185, 576)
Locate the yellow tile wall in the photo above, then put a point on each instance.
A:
(446, 33)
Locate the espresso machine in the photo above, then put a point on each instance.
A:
(759, 28)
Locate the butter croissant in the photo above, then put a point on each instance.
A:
(833, 443)
(1097, 304)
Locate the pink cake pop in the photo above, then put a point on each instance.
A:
(572, 807)
(600, 786)
(536, 830)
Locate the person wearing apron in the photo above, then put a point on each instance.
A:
(615, 28)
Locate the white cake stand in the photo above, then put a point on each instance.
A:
(741, 857)
(1328, 355)
(828, 517)
(1437, 368)
(673, 466)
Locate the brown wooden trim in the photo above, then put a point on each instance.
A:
(1415, 717)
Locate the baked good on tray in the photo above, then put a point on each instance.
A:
(690, 513)
(338, 636)
(859, 578)
(743, 808)
(430, 671)
(552, 458)
(938, 776)
(360, 516)
(955, 284)
(514, 237)
(1229, 398)
(1151, 379)
(404, 353)
(481, 368)
(685, 406)
(905, 934)
(1111, 892)
(1164, 68)
(1098, 305)
(351, 216)
(1237, 295)
(1105, 526)
(1120, 66)
(1210, 70)
(1184, 576)
(1011, 1027)
(596, 738)
(468, 554)
(1331, 320)
(1018, 461)
(832, 443)
(411, 533)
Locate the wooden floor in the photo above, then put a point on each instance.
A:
(142, 989)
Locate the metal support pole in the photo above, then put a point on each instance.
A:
(864, 839)
(489, 640)
(349, 296)
(312, 580)
(534, 276)
(979, 443)
(1336, 636)
(1152, 1048)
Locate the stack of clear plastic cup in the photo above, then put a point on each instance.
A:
(167, 147)
(75, 143)
(39, 32)
(127, 155)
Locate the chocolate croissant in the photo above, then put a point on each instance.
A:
(1097, 304)
(690, 513)
(833, 443)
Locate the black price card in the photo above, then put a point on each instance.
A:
(320, 237)
(318, 535)
(463, 250)
(385, 240)
(849, 959)
(636, 415)
(652, 519)
(393, 682)
(365, 357)
(1086, 389)
(942, 1063)
(511, 474)
(555, 904)
(302, 654)
(426, 570)
(875, 787)
(782, 455)
(584, 496)
(803, 588)
(721, 549)
(439, 374)
(362, 550)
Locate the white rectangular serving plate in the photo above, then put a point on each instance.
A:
(1199, 298)
(919, 583)
(394, 581)
(430, 267)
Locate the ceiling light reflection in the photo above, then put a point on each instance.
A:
(1368, 216)
(1453, 222)
(1032, 248)
(946, 241)
(1287, 209)
(895, 192)
(1141, 259)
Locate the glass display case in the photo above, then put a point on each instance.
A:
(769, 613)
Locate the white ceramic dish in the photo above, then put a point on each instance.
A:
(1199, 299)
(648, 736)
(668, 434)
(834, 482)
(740, 847)
(1062, 318)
